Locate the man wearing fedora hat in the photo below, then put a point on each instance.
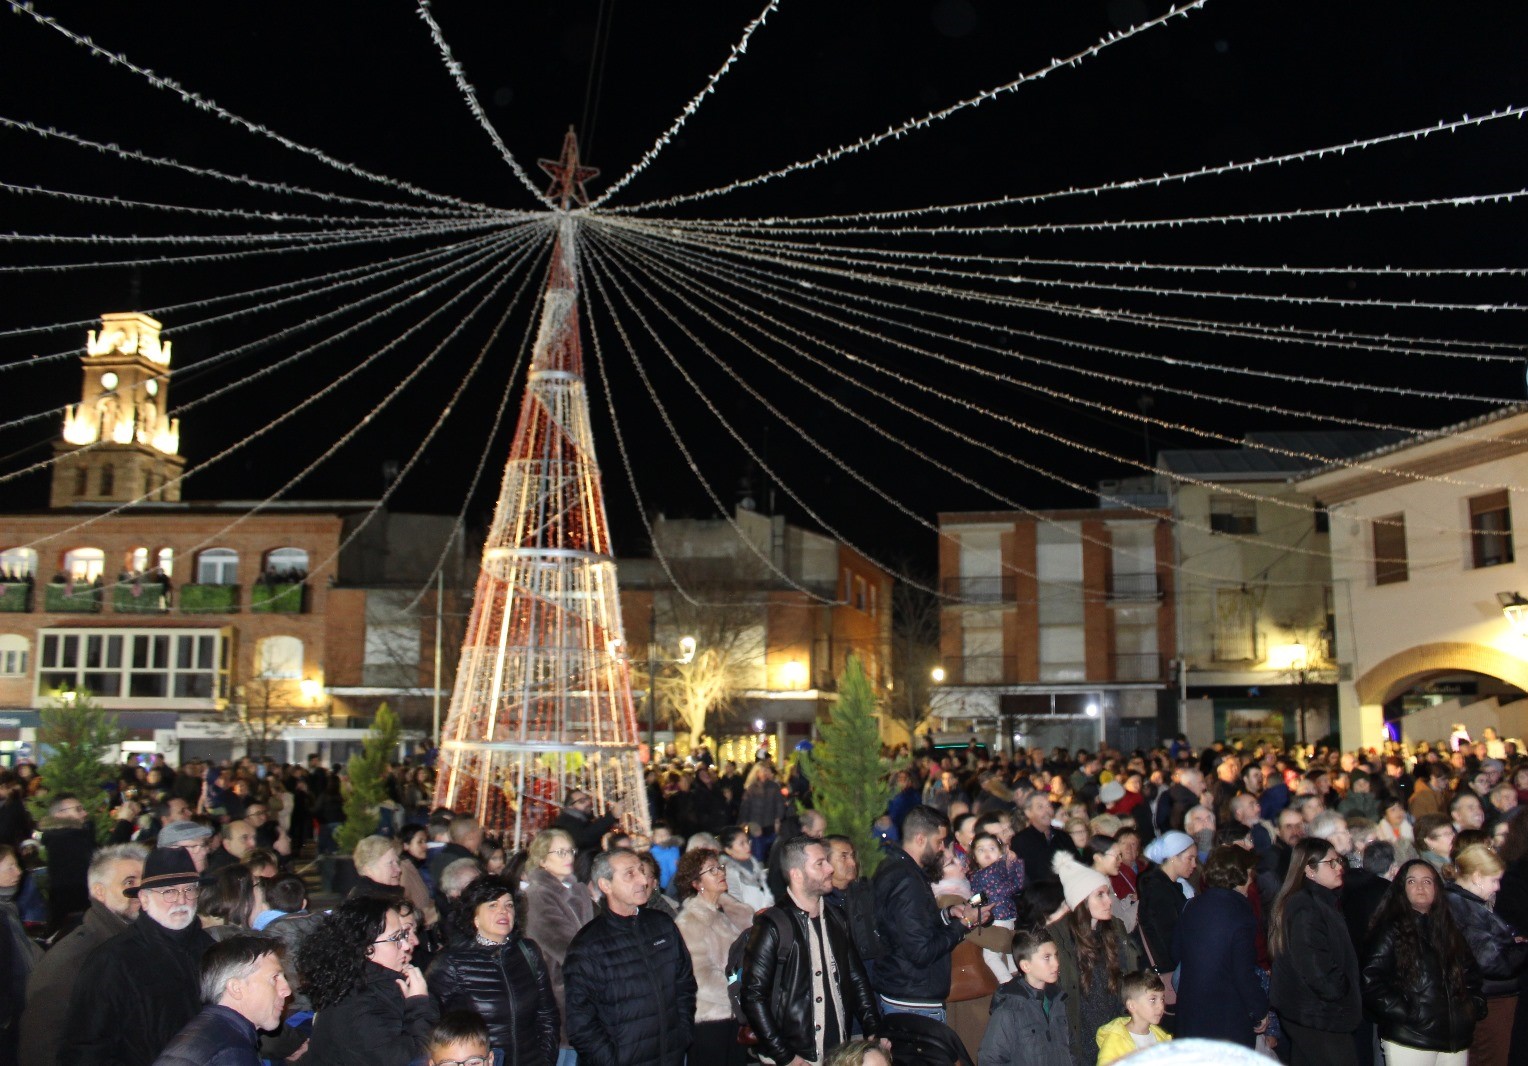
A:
(139, 989)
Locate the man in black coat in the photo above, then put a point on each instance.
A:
(913, 976)
(578, 821)
(69, 842)
(629, 990)
(709, 804)
(139, 989)
(1038, 842)
(797, 1010)
(466, 840)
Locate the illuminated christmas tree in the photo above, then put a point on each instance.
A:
(542, 702)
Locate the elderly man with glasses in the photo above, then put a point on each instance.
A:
(139, 989)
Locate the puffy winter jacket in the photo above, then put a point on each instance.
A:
(218, 1036)
(1025, 1030)
(777, 992)
(1501, 959)
(1422, 1012)
(1315, 978)
(629, 991)
(916, 935)
(507, 985)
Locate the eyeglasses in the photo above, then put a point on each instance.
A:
(562, 852)
(185, 893)
(397, 938)
(709, 870)
(1334, 863)
(476, 1060)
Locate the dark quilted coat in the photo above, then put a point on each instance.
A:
(373, 1025)
(629, 991)
(508, 986)
(1420, 1012)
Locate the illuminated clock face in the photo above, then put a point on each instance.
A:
(151, 387)
(108, 380)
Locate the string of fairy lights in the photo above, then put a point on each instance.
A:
(883, 291)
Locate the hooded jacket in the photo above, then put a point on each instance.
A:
(1501, 959)
(1028, 1027)
(1422, 1011)
(1115, 1041)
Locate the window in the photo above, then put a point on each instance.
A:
(1235, 626)
(167, 562)
(287, 564)
(108, 479)
(17, 563)
(139, 664)
(138, 561)
(84, 564)
(1390, 549)
(13, 655)
(81, 481)
(1323, 518)
(1491, 529)
(1233, 514)
(860, 593)
(279, 658)
(217, 566)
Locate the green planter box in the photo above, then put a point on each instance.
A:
(208, 599)
(15, 596)
(84, 600)
(149, 599)
(277, 599)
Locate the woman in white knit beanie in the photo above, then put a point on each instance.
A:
(1095, 953)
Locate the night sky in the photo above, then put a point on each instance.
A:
(1236, 80)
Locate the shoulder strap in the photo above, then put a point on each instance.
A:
(531, 958)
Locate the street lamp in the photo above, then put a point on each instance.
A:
(687, 647)
(937, 673)
(793, 674)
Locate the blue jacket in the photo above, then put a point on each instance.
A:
(1219, 994)
(218, 1036)
(916, 936)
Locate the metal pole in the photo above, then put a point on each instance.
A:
(440, 584)
(652, 687)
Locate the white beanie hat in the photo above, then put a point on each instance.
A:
(1078, 882)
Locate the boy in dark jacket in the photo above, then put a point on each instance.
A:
(1029, 1024)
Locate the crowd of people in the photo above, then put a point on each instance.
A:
(1048, 907)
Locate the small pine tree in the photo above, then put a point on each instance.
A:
(848, 775)
(367, 773)
(79, 734)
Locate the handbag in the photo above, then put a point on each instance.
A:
(970, 976)
(1169, 993)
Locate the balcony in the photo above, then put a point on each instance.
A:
(209, 599)
(15, 596)
(134, 597)
(1135, 588)
(980, 670)
(1139, 666)
(280, 598)
(981, 589)
(71, 599)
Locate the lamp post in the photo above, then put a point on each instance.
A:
(686, 654)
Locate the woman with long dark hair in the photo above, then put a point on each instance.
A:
(1498, 949)
(1420, 983)
(1095, 952)
(229, 902)
(1316, 987)
(373, 1006)
(501, 975)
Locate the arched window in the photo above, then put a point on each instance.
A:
(17, 563)
(167, 561)
(138, 561)
(108, 479)
(287, 564)
(217, 566)
(84, 564)
(14, 651)
(279, 658)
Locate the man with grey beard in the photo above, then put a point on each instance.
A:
(139, 989)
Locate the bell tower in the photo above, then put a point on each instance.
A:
(119, 442)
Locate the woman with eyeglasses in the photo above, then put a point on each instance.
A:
(1420, 983)
(373, 1007)
(499, 974)
(1315, 986)
(710, 920)
(557, 906)
(1498, 948)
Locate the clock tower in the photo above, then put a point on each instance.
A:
(120, 443)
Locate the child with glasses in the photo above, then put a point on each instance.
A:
(460, 1038)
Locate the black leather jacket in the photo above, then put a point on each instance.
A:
(780, 1010)
(1423, 1012)
(1500, 957)
(915, 934)
(508, 986)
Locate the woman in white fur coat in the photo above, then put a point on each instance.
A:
(710, 920)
